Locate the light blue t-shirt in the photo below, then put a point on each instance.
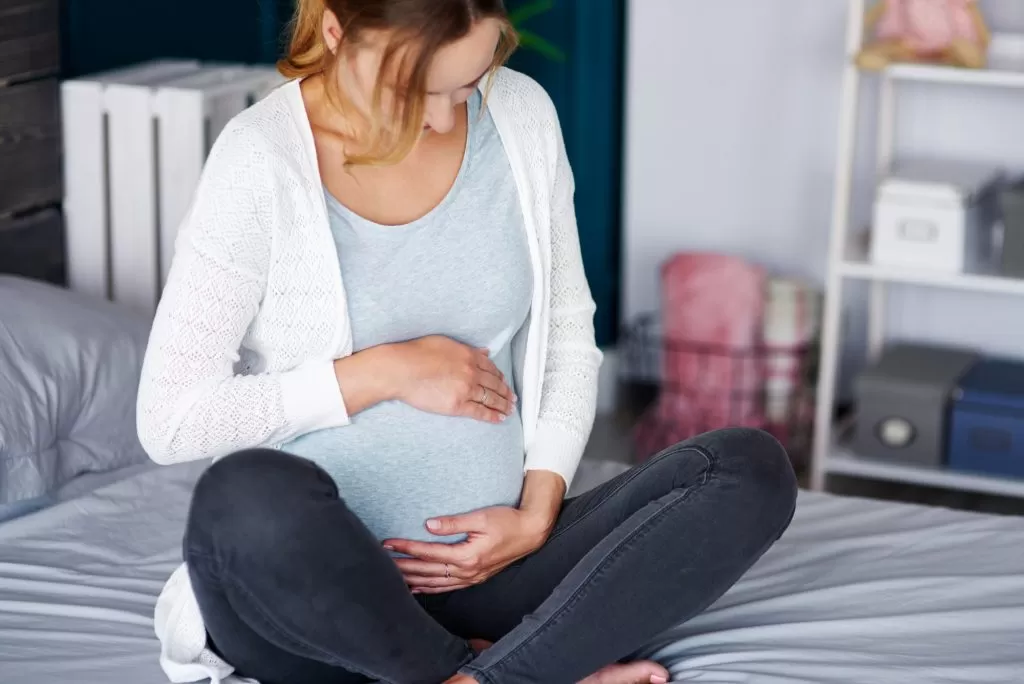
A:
(462, 271)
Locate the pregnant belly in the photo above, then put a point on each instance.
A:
(396, 467)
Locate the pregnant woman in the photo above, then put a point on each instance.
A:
(378, 325)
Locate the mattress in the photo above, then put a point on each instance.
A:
(855, 592)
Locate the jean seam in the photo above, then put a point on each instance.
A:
(480, 676)
(599, 566)
(635, 473)
(328, 657)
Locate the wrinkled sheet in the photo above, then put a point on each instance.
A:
(857, 592)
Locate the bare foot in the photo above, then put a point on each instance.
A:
(640, 672)
(478, 646)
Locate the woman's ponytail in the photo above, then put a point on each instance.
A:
(307, 51)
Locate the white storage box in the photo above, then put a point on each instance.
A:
(935, 215)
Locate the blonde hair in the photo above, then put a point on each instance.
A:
(419, 28)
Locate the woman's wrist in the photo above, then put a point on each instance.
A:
(367, 378)
(543, 493)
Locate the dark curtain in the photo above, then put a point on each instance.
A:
(587, 88)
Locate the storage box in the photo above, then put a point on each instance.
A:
(33, 246)
(1011, 202)
(903, 402)
(30, 173)
(936, 215)
(29, 39)
(987, 426)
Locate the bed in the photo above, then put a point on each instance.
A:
(856, 592)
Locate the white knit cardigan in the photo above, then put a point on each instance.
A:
(254, 313)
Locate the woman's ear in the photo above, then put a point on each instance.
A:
(332, 31)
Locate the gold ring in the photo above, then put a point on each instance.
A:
(484, 400)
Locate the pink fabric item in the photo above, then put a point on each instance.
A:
(713, 307)
(928, 26)
(792, 322)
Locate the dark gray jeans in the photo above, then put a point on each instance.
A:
(295, 590)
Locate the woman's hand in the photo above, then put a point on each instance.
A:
(439, 375)
(497, 537)
(434, 374)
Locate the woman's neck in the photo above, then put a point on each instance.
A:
(328, 117)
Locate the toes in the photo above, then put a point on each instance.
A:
(640, 672)
(480, 645)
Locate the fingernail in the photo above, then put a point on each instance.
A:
(433, 525)
(388, 547)
(657, 679)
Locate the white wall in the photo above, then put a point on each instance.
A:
(730, 145)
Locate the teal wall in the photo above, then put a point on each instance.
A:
(586, 87)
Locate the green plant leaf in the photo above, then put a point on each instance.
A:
(530, 10)
(531, 41)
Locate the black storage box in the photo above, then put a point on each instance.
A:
(903, 403)
(30, 146)
(33, 246)
(29, 39)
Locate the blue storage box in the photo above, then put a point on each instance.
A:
(986, 432)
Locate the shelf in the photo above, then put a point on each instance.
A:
(842, 461)
(1006, 67)
(857, 266)
(991, 78)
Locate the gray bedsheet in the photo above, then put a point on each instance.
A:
(857, 592)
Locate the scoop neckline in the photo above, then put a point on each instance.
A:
(473, 106)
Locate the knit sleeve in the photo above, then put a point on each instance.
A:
(191, 403)
(568, 399)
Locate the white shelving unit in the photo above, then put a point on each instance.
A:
(848, 260)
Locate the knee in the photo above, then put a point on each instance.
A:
(760, 468)
(248, 501)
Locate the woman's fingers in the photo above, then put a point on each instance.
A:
(440, 590)
(494, 394)
(484, 363)
(435, 552)
(419, 582)
(411, 567)
(495, 386)
(477, 411)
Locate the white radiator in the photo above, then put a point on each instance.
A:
(135, 141)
